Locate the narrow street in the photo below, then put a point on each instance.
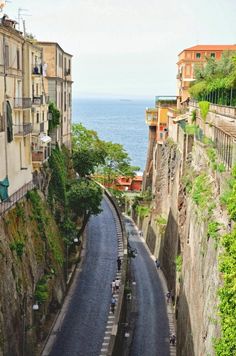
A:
(82, 331)
(151, 331)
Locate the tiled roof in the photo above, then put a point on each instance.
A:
(211, 48)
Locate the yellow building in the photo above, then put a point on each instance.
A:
(15, 109)
(57, 67)
(157, 119)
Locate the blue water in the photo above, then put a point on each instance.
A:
(117, 121)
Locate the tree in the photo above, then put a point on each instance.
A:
(84, 199)
(55, 116)
(103, 158)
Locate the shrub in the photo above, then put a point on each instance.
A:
(204, 109)
(18, 246)
(178, 263)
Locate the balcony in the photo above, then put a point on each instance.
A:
(22, 130)
(67, 72)
(22, 103)
(41, 155)
(165, 101)
(37, 100)
(37, 69)
(151, 116)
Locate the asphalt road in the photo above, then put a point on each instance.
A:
(83, 327)
(151, 331)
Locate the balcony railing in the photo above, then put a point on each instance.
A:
(40, 156)
(37, 100)
(151, 116)
(22, 130)
(22, 103)
(37, 70)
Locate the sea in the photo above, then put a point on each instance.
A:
(117, 120)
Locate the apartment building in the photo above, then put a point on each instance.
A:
(34, 87)
(15, 109)
(157, 119)
(191, 57)
(57, 67)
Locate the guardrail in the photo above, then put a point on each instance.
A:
(14, 198)
(118, 310)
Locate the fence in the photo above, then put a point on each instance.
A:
(14, 198)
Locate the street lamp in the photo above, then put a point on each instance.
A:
(35, 307)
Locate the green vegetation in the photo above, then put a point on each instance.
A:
(204, 109)
(216, 82)
(194, 116)
(229, 197)
(226, 344)
(178, 263)
(55, 116)
(161, 220)
(105, 160)
(201, 191)
(44, 224)
(213, 230)
(41, 291)
(18, 246)
(142, 211)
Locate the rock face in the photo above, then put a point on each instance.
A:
(31, 258)
(186, 200)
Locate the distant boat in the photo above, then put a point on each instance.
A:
(125, 100)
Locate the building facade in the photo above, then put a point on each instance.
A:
(34, 87)
(191, 57)
(15, 111)
(57, 68)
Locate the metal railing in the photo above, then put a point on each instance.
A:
(14, 198)
(37, 100)
(23, 130)
(22, 103)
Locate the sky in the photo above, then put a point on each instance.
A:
(127, 48)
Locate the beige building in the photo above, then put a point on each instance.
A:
(57, 68)
(15, 109)
(35, 88)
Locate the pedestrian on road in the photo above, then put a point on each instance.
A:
(172, 339)
(158, 265)
(113, 286)
(168, 296)
(117, 284)
(118, 263)
(113, 303)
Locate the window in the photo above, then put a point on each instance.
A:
(198, 55)
(64, 100)
(7, 60)
(43, 116)
(188, 70)
(69, 99)
(37, 117)
(213, 55)
(37, 90)
(18, 59)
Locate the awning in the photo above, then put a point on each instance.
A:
(45, 139)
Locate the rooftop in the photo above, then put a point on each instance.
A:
(211, 48)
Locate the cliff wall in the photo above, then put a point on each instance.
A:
(31, 261)
(182, 230)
